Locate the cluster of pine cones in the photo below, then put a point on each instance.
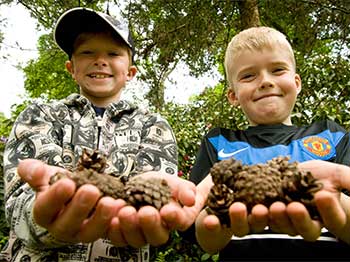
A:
(277, 180)
(137, 191)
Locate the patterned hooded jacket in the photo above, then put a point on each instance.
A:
(133, 140)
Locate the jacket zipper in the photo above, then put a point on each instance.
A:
(99, 128)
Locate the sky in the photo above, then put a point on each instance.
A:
(19, 46)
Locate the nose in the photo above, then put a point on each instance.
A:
(100, 60)
(266, 80)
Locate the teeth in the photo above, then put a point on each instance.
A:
(99, 76)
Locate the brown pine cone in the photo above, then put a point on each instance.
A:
(277, 180)
(137, 191)
(224, 172)
(141, 191)
(107, 184)
(302, 187)
(92, 159)
(257, 185)
(219, 201)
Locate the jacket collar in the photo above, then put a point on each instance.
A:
(82, 104)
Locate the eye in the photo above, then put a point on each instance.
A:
(247, 76)
(112, 53)
(278, 70)
(86, 52)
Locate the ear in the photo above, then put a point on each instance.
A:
(131, 72)
(231, 96)
(69, 67)
(297, 79)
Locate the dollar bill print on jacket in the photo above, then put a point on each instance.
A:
(133, 140)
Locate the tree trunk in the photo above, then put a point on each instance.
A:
(249, 13)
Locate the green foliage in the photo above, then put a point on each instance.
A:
(191, 121)
(180, 250)
(326, 90)
(47, 77)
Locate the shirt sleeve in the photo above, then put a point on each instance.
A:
(206, 158)
(30, 138)
(343, 146)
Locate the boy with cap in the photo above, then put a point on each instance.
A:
(261, 72)
(60, 222)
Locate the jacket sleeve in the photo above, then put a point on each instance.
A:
(31, 137)
(158, 149)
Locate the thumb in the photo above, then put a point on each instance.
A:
(184, 191)
(36, 173)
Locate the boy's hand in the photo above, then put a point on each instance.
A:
(294, 219)
(69, 215)
(148, 225)
(333, 206)
(213, 236)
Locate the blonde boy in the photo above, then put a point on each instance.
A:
(261, 72)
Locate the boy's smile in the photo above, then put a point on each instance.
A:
(265, 85)
(99, 75)
(101, 66)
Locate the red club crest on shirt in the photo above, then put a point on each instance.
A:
(317, 145)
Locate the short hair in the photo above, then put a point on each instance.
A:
(254, 38)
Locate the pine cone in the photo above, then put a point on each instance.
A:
(219, 201)
(277, 180)
(224, 172)
(92, 159)
(107, 184)
(140, 191)
(258, 185)
(302, 187)
(137, 191)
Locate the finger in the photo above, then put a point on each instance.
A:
(69, 222)
(279, 219)
(331, 211)
(341, 177)
(130, 227)
(177, 217)
(182, 190)
(154, 231)
(309, 229)
(115, 233)
(209, 227)
(239, 219)
(186, 193)
(181, 218)
(212, 223)
(171, 216)
(36, 173)
(97, 226)
(50, 203)
(259, 218)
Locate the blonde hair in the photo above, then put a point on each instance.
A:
(254, 38)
